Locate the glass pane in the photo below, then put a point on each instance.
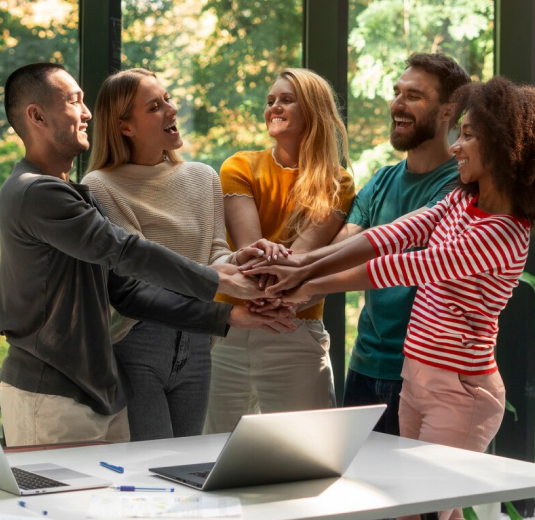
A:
(382, 34)
(33, 31)
(217, 60)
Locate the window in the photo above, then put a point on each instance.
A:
(38, 31)
(217, 59)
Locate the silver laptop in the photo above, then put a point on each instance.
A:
(33, 479)
(283, 447)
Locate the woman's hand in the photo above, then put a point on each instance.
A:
(262, 249)
(225, 268)
(301, 294)
(292, 260)
(287, 277)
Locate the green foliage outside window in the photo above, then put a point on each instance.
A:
(382, 34)
(33, 31)
(217, 58)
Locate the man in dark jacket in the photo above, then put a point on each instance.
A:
(63, 263)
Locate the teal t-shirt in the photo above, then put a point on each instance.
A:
(392, 192)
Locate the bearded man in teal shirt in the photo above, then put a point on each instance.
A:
(421, 118)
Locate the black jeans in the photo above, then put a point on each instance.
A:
(362, 390)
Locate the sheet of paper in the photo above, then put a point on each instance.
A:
(160, 506)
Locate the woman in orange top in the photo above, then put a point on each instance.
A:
(296, 193)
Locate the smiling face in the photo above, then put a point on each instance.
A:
(284, 117)
(152, 124)
(415, 109)
(467, 151)
(68, 116)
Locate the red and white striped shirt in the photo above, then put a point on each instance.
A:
(465, 276)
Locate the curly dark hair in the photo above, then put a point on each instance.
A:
(502, 115)
(450, 74)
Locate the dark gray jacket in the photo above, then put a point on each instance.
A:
(62, 264)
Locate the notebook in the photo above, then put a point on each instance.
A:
(33, 479)
(282, 447)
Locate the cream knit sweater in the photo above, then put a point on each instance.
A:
(179, 206)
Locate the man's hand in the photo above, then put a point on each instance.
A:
(238, 285)
(266, 306)
(275, 320)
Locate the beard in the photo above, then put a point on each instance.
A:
(423, 131)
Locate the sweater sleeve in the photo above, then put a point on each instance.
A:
(494, 245)
(220, 251)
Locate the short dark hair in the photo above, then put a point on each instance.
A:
(502, 115)
(450, 74)
(26, 85)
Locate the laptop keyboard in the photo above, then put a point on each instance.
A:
(202, 474)
(27, 480)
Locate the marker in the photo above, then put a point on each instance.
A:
(118, 469)
(135, 488)
(32, 509)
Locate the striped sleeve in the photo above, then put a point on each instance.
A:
(411, 232)
(494, 245)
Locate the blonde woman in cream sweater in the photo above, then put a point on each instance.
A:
(144, 188)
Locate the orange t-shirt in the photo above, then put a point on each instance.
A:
(259, 176)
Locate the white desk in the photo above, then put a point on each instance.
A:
(389, 477)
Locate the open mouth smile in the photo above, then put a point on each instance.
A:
(402, 122)
(171, 129)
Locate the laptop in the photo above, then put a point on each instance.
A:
(282, 447)
(33, 479)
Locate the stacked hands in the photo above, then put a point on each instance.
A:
(267, 275)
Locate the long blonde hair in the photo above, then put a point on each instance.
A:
(115, 102)
(322, 151)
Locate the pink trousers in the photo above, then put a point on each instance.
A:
(452, 409)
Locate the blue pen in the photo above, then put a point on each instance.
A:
(118, 469)
(136, 488)
(32, 509)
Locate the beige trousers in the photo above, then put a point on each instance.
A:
(31, 419)
(452, 409)
(254, 371)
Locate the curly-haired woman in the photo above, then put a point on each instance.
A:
(295, 193)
